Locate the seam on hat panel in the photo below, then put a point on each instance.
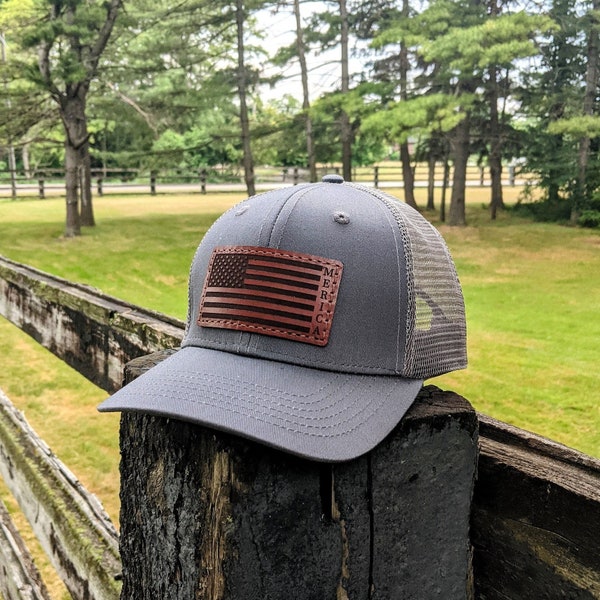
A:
(410, 287)
(232, 348)
(393, 224)
(273, 222)
(388, 201)
(397, 207)
(296, 198)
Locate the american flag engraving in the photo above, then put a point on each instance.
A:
(271, 292)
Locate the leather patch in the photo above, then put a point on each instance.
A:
(272, 292)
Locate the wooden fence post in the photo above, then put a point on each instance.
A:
(42, 194)
(211, 516)
(153, 183)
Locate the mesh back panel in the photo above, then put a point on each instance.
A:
(436, 331)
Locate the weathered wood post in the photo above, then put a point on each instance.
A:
(207, 515)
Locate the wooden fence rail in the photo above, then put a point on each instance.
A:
(19, 577)
(90, 331)
(122, 181)
(535, 524)
(71, 525)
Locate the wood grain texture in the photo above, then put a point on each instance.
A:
(536, 518)
(19, 577)
(70, 523)
(90, 331)
(212, 516)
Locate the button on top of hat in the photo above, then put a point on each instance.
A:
(333, 178)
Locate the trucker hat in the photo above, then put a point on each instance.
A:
(315, 314)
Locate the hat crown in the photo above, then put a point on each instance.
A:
(399, 308)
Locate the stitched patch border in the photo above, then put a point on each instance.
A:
(272, 292)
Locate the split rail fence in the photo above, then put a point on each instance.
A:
(535, 522)
(47, 183)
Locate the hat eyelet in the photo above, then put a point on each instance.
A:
(341, 218)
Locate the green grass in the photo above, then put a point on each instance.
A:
(140, 249)
(532, 293)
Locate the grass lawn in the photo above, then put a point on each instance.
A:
(532, 293)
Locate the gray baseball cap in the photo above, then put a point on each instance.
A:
(315, 314)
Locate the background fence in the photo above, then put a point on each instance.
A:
(50, 182)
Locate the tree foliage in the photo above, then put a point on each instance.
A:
(180, 83)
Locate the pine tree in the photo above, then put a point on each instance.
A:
(70, 39)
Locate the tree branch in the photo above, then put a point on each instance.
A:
(146, 116)
(103, 36)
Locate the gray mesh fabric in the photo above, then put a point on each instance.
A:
(436, 331)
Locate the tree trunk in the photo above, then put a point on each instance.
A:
(74, 121)
(408, 177)
(310, 143)
(26, 163)
(87, 209)
(345, 126)
(73, 221)
(446, 178)
(431, 181)
(589, 99)
(460, 155)
(497, 200)
(242, 91)
(76, 143)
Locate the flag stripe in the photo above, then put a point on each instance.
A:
(250, 295)
(291, 292)
(252, 317)
(259, 307)
(281, 286)
(252, 276)
(290, 270)
(291, 263)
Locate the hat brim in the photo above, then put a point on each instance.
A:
(315, 414)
